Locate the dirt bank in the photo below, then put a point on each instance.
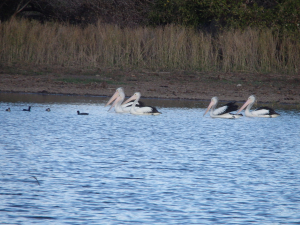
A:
(175, 85)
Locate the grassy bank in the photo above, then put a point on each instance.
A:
(164, 48)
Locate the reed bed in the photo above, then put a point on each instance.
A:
(171, 47)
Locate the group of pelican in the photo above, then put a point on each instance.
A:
(134, 106)
(226, 111)
(131, 105)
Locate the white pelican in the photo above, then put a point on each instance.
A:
(259, 112)
(118, 98)
(222, 112)
(145, 110)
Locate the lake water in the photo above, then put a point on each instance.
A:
(176, 168)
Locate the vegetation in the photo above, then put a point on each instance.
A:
(239, 14)
(83, 12)
(202, 35)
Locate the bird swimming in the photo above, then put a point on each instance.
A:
(118, 99)
(144, 110)
(224, 111)
(28, 110)
(263, 111)
(79, 113)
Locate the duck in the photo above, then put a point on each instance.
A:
(28, 110)
(79, 113)
(48, 110)
(8, 109)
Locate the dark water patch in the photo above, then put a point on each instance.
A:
(41, 217)
(10, 193)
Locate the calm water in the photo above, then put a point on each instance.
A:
(176, 168)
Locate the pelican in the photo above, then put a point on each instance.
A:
(118, 98)
(259, 112)
(144, 110)
(222, 112)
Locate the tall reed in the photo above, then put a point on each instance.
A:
(171, 47)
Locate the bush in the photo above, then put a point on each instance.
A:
(281, 15)
(121, 12)
(284, 15)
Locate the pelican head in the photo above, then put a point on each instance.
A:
(119, 93)
(213, 102)
(135, 96)
(120, 90)
(250, 102)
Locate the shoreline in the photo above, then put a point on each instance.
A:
(165, 85)
(150, 98)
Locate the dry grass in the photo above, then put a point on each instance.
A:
(172, 47)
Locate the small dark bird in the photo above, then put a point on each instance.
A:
(48, 110)
(28, 110)
(79, 113)
(8, 110)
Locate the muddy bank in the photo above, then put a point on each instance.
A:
(171, 85)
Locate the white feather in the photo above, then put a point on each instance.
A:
(220, 110)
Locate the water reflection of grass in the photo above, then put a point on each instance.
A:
(82, 80)
(88, 81)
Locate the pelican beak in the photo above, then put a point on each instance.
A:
(244, 106)
(116, 94)
(133, 97)
(208, 108)
(115, 102)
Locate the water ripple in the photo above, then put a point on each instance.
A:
(176, 168)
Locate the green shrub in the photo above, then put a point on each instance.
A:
(282, 15)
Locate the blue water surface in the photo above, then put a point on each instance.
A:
(176, 168)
